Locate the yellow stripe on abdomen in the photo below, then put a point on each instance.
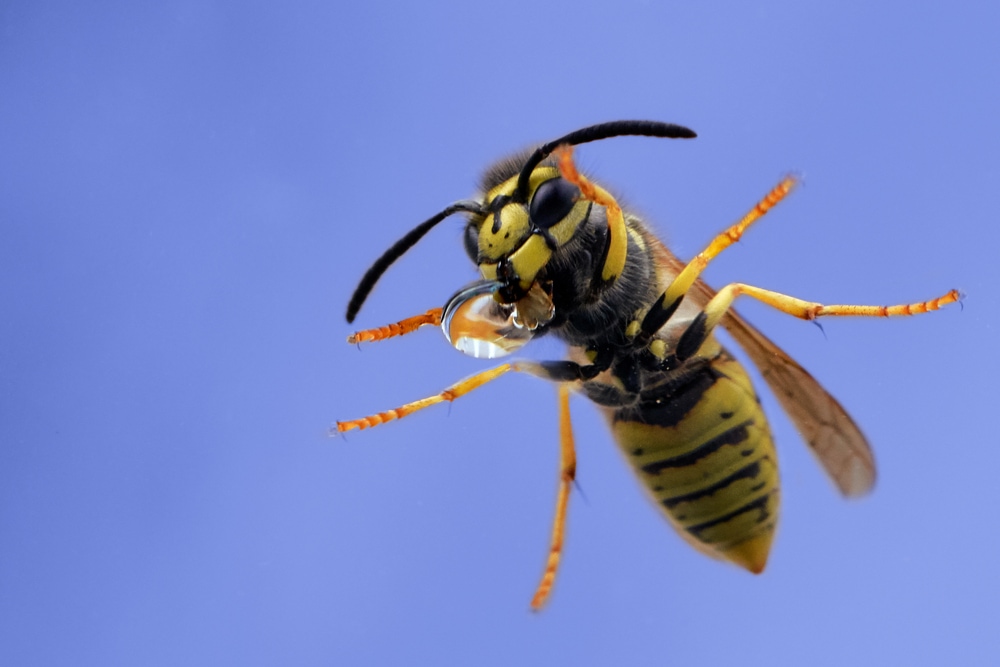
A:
(706, 454)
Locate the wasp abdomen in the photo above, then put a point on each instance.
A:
(705, 452)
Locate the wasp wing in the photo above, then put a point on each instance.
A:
(826, 427)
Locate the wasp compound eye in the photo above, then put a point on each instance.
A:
(471, 241)
(552, 202)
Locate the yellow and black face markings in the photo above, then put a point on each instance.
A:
(503, 232)
(639, 322)
(508, 225)
(518, 238)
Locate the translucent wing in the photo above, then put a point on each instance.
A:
(826, 427)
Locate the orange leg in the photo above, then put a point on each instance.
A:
(667, 303)
(682, 283)
(465, 386)
(567, 456)
(567, 474)
(617, 228)
(401, 328)
(809, 310)
(618, 243)
(450, 394)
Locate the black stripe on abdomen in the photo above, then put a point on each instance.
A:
(758, 505)
(750, 471)
(732, 436)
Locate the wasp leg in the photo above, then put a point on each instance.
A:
(401, 328)
(450, 394)
(617, 249)
(668, 302)
(562, 372)
(702, 325)
(567, 474)
(556, 371)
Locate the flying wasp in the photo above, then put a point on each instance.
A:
(557, 254)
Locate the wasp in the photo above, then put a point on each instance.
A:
(558, 255)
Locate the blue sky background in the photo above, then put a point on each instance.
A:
(189, 191)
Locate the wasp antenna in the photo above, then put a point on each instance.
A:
(376, 270)
(616, 128)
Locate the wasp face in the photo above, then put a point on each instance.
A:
(514, 241)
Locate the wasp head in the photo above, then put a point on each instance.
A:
(526, 217)
(519, 233)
